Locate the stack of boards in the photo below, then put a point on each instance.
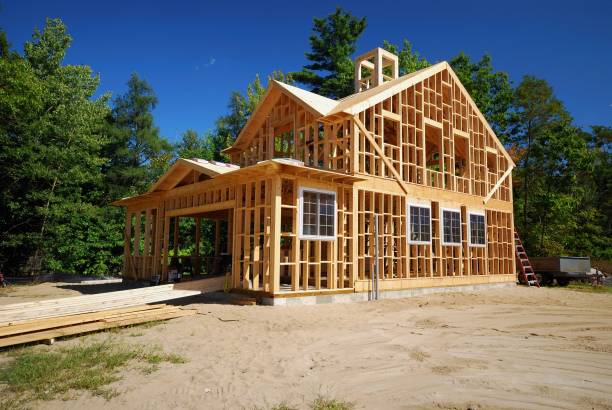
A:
(50, 319)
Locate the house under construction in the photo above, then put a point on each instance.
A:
(399, 187)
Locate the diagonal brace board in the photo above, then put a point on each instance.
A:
(381, 153)
(497, 184)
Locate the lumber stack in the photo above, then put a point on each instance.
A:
(47, 320)
(90, 303)
(50, 328)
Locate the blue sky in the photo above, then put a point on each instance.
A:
(195, 53)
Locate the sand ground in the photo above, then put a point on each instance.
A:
(495, 349)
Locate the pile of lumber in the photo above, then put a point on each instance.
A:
(91, 303)
(47, 320)
(49, 329)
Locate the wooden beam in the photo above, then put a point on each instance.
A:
(381, 153)
(147, 245)
(275, 235)
(159, 232)
(166, 246)
(176, 236)
(194, 210)
(198, 221)
(127, 237)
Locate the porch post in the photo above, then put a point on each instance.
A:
(275, 235)
(147, 246)
(354, 230)
(127, 236)
(176, 235)
(136, 259)
(230, 230)
(159, 232)
(166, 247)
(197, 263)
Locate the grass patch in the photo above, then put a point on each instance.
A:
(32, 374)
(586, 287)
(418, 355)
(284, 406)
(320, 403)
(326, 403)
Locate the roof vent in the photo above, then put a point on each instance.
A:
(374, 68)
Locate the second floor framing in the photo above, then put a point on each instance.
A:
(422, 128)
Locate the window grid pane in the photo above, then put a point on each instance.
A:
(477, 229)
(420, 224)
(318, 214)
(451, 224)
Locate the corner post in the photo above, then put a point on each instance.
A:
(275, 235)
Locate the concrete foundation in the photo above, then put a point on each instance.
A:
(389, 294)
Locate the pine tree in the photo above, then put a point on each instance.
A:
(331, 71)
(137, 153)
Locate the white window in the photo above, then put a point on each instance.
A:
(317, 214)
(419, 224)
(477, 229)
(451, 227)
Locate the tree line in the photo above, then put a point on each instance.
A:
(66, 155)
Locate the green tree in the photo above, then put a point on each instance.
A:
(240, 107)
(551, 155)
(52, 131)
(194, 146)
(409, 61)
(331, 69)
(592, 233)
(137, 153)
(491, 90)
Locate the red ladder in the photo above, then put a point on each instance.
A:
(527, 275)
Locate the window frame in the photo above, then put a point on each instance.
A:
(408, 225)
(442, 241)
(301, 234)
(484, 215)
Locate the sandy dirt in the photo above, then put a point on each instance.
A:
(495, 349)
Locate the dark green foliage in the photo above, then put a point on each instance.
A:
(137, 154)
(332, 43)
(560, 203)
(52, 132)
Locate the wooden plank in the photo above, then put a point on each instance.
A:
(275, 235)
(93, 304)
(42, 324)
(88, 328)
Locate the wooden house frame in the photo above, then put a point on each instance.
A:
(309, 176)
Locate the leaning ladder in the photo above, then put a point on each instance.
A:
(526, 274)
